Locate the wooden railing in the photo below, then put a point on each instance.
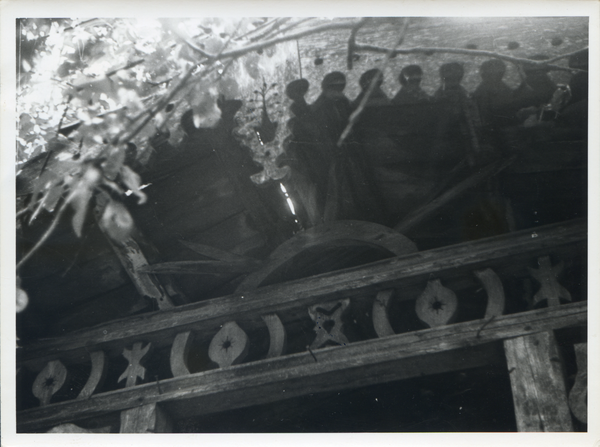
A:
(231, 331)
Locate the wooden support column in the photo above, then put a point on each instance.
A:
(537, 382)
(148, 418)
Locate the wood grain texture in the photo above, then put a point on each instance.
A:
(364, 363)
(579, 393)
(202, 267)
(495, 292)
(97, 374)
(537, 383)
(381, 321)
(513, 251)
(148, 418)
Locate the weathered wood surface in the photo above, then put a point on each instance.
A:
(401, 356)
(202, 267)
(277, 335)
(229, 346)
(216, 253)
(97, 374)
(72, 428)
(437, 305)
(381, 321)
(495, 292)
(148, 418)
(579, 393)
(179, 353)
(329, 327)
(49, 381)
(538, 384)
(135, 369)
(511, 251)
(550, 289)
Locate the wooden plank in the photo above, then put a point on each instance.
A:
(204, 318)
(379, 360)
(538, 384)
(148, 418)
(202, 267)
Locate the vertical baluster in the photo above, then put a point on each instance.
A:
(49, 381)
(381, 321)
(277, 335)
(135, 369)
(328, 323)
(97, 374)
(229, 346)
(579, 392)
(179, 353)
(495, 292)
(437, 305)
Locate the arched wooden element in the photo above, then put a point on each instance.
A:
(547, 275)
(437, 305)
(330, 234)
(49, 381)
(229, 346)
(579, 392)
(339, 233)
(135, 369)
(381, 322)
(179, 353)
(328, 323)
(97, 374)
(277, 335)
(495, 292)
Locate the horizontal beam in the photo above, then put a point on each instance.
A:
(204, 318)
(429, 351)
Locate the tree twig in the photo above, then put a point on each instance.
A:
(352, 41)
(47, 234)
(513, 59)
(273, 29)
(374, 81)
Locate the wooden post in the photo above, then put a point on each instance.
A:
(148, 418)
(537, 382)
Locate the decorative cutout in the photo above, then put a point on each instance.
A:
(328, 323)
(135, 368)
(229, 346)
(547, 275)
(579, 392)
(495, 292)
(179, 353)
(277, 335)
(97, 374)
(49, 381)
(437, 305)
(381, 321)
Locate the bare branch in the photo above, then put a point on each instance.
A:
(515, 60)
(352, 41)
(374, 81)
(273, 29)
(268, 43)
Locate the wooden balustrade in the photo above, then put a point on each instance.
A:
(325, 300)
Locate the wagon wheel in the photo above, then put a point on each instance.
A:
(325, 248)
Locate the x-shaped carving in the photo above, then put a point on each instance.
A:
(547, 275)
(328, 323)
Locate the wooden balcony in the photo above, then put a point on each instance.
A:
(383, 355)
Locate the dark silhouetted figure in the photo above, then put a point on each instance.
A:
(462, 111)
(332, 107)
(309, 154)
(537, 88)
(411, 91)
(493, 97)
(377, 96)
